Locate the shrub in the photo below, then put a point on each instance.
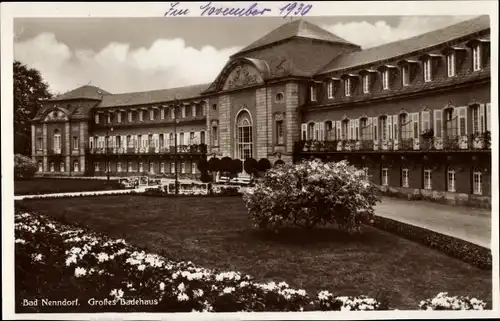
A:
(205, 177)
(202, 165)
(264, 164)
(250, 166)
(443, 301)
(214, 164)
(310, 194)
(236, 167)
(24, 167)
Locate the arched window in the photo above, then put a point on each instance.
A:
(151, 143)
(52, 166)
(365, 128)
(181, 139)
(345, 129)
(244, 136)
(477, 181)
(130, 143)
(161, 141)
(61, 167)
(383, 127)
(311, 130)
(385, 176)
(451, 179)
(40, 166)
(427, 178)
(76, 166)
(406, 126)
(202, 137)
(329, 131)
(57, 140)
(405, 177)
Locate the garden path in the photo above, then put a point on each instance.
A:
(467, 223)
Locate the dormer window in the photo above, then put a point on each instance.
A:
(141, 115)
(97, 118)
(347, 87)
(151, 114)
(329, 89)
(427, 70)
(385, 79)
(366, 84)
(119, 117)
(450, 64)
(129, 116)
(476, 58)
(405, 75)
(313, 93)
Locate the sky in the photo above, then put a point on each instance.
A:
(139, 54)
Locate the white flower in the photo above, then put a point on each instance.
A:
(102, 257)
(129, 285)
(70, 259)
(21, 241)
(37, 257)
(141, 267)
(198, 293)
(181, 287)
(162, 286)
(182, 297)
(244, 284)
(80, 272)
(228, 290)
(116, 293)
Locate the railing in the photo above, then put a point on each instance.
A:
(181, 149)
(470, 142)
(147, 121)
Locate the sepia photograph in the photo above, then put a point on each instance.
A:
(243, 157)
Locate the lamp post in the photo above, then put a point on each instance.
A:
(108, 129)
(176, 104)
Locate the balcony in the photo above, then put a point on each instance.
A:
(181, 149)
(458, 143)
(151, 123)
(54, 151)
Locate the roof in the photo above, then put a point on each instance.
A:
(406, 46)
(153, 96)
(298, 28)
(83, 92)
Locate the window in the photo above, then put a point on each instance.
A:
(329, 131)
(162, 113)
(405, 75)
(139, 141)
(193, 167)
(385, 79)
(366, 172)
(426, 120)
(329, 89)
(151, 167)
(192, 139)
(57, 141)
(405, 177)
(40, 166)
(52, 166)
(475, 119)
(129, 116)
(172, 139)
(108, 167)
(427, 179)
(172, 167)
(345, 129)
(152, 114)
(141, 115)
(96, 166)
(450, 64)
(162, 141)
(130, 144)
(347, 87)
(476, 58)
(244, 136)
(96, 118)
(280, 136)
(76, 166)
(477, 182)
(202, 137)
(129, 167)
(162, 167)
(366, 84)
(39, 143)
(183, 111)
(384, 130)
(215, 136)
(141, 168)
(183, 167)
(427, 70)
(366, 129)
(61, 167)
(313, 93)
(118, 167)
(451, 179)
(385, 176)
(450, 118)
(151, 143)
(279, 97)
(119, 117)
(214, 107)
(75, 142)
(181, 139)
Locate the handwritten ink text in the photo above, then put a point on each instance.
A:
(175, 10)
(295, 9)
(253, 10)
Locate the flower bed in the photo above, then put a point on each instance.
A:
(460, 249)
(82, 194)
(194, 190)
(64, 261)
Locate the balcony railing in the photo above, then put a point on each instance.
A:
(181, 149)
(471, 142)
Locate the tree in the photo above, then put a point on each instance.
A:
(312, 193)
(203, 165)
(214, 164)
(225, 165)
(24, 167)
(264, 164)
(29, 92)
(250, 166)
(236, 167)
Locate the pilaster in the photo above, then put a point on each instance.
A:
(33, 141)
(270, 122)
(67, 145)
(225, 126)
(260, 125)
(292, 129)
(45, 147)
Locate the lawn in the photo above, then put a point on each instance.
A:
(60, 185)
(217, 233)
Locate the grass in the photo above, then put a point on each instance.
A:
(217, 233)
(47, 186)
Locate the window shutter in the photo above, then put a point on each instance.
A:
(349, 127)
(389, 127)
(367, 132)
(426, 121)
(338, 126)
(304, 131)
(321, 131)
(416, 125)
(375, 128)
(462, 121)
(438, 123)
(395, 127)
(488, 117)
(482, 123)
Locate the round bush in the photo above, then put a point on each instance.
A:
(202, 165)
(250, 166)
(24, 167)
(214, 164)
(312, 193)
(205, 177)
(264, 164)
